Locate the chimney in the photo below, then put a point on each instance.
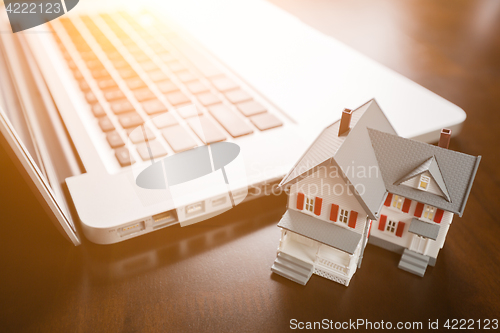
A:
(345, 121)
(444, 139)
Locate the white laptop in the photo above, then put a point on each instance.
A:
(144, 115)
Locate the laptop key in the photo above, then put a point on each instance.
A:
(167, 87)
(231, 122)
(224, 84)
(265, 121)
(186, 76)
(206, 130)
(136, 135)
(128, 120)
(106, 84)
(196, 87)
(250, 108)
(114, 139)
(98, 110)
(177, 98)
(238, 96)
(207, 99)
(94, 64)
(144, 94)
(123, 157)
(84, 86)
(99, 73)
(127, 73)
(178, 138)
(167, 57)
(164, 120)
(189, 111)
(149, 66)
(158, 76)
(135, 83)
(122, 106)
(90, 97)
(77, 74)
(120, 63)
(150, 150)
(154, 106)
(141, 57)
(113, 95)
(88, 55)
(176, 66)
(105, 124)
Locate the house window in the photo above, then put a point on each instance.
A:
(391, 227)
(343, 216)
(397, 202)
(310, 204)
(423, 184)
(429, 212)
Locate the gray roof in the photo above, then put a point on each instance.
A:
(432, 167)
(424, 229)
(350, 152)
(321, 231)
(397, 156)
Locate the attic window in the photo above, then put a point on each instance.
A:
(423, 184)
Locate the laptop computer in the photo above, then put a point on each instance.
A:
(103, 100)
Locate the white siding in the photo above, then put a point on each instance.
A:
(328, 185)
(432, 247)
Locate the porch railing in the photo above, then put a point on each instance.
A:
(333, 266)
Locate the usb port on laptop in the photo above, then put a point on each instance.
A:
(132, 228)
(164, 219)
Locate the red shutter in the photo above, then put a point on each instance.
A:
(334, 212)
(381, 222)
(399, 230)
(388, 200)
(352, 219)
(317, 205)
(300, 201)
(406, 205)
(438, 216)
(419, 209)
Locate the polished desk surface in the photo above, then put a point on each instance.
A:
(215, 276)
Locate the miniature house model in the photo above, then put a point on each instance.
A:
(360, 182)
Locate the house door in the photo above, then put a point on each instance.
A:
(418, 244)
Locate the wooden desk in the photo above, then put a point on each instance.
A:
(215, 276)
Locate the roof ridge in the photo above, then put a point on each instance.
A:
(285, 179)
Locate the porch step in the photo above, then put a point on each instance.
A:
(413, 262)
(292, 268)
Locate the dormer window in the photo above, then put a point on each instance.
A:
(423, 184)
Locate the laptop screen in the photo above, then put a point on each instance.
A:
(28, 129)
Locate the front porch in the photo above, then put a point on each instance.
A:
(324, 249)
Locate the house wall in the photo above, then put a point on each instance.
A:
(431, 248)
(327, 184)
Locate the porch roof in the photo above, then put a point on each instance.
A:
(425, 229)
(321, 231)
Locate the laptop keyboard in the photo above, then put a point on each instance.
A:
(148, 86)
